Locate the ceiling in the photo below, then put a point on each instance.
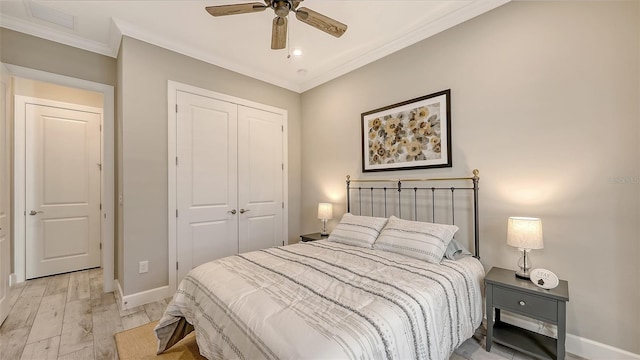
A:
(242, 43)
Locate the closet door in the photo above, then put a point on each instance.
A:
(207, 183)
(260, 176)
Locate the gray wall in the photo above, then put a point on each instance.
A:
(545, 104)
(31, 52)
(144, 72)
(43, 90)
(36, 53)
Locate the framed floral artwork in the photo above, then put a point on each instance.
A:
(413, 134)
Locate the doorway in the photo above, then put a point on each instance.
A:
(107, 213)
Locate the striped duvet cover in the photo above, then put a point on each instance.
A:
(326, 300)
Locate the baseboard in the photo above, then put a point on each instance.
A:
(13, 279)
(118, 292)
(575, 345)
(140, 298)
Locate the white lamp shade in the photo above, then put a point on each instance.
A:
(325, 211)
(525, 233)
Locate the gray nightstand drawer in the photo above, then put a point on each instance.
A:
(524, 303)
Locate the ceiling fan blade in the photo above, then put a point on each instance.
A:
(223, 10)
(296, 3)
(321, 22)
(279, 33)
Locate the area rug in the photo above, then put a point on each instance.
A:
(141, 344)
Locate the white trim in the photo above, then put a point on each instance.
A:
(428, 30)
(477, 8)
(590, 349)
(117, 292)
(220, 96)
(120, 27)
(285, 177)
(19, 251)
(172, 117)
(576, 345)
(172, 88)
(141, 298)
(107, 179)
(12, 280)
(133, 31)
(59, 36)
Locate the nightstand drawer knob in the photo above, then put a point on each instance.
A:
(522, 303)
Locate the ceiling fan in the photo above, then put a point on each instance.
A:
(282, 9)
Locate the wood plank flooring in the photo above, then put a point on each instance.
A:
(68, 317)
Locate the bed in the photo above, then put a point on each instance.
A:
(361, 294)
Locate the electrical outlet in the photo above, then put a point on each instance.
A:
(143, 267)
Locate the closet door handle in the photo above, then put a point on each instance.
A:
(232, 212)
(33, 212)
(242, 211)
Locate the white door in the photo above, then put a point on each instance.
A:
(260, 175)
(5, 249)
(62, 189)
(206, 194)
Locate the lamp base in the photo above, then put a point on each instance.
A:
(524, 265)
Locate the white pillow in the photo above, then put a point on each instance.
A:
(357, 230)
(420, 240)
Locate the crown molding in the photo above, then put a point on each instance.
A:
(121, 28)
(142, 35)
(62, 37)
(115, 38)
(448, 21)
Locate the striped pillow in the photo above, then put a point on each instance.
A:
(420, 240)
(357, 230)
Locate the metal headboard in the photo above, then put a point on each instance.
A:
(381, 197)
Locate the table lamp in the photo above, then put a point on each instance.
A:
(325, 212)
(525, 233)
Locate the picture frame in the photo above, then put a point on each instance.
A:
(413, 134)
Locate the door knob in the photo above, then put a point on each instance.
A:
(33, 212)
(242, 211)
(233, 212)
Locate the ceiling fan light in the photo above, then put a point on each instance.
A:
(282, 8)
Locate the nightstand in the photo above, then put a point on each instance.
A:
(506, 292)
(312, 237)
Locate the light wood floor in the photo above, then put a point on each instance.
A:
(68, 317)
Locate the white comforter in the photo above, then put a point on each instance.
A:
(325, 300)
